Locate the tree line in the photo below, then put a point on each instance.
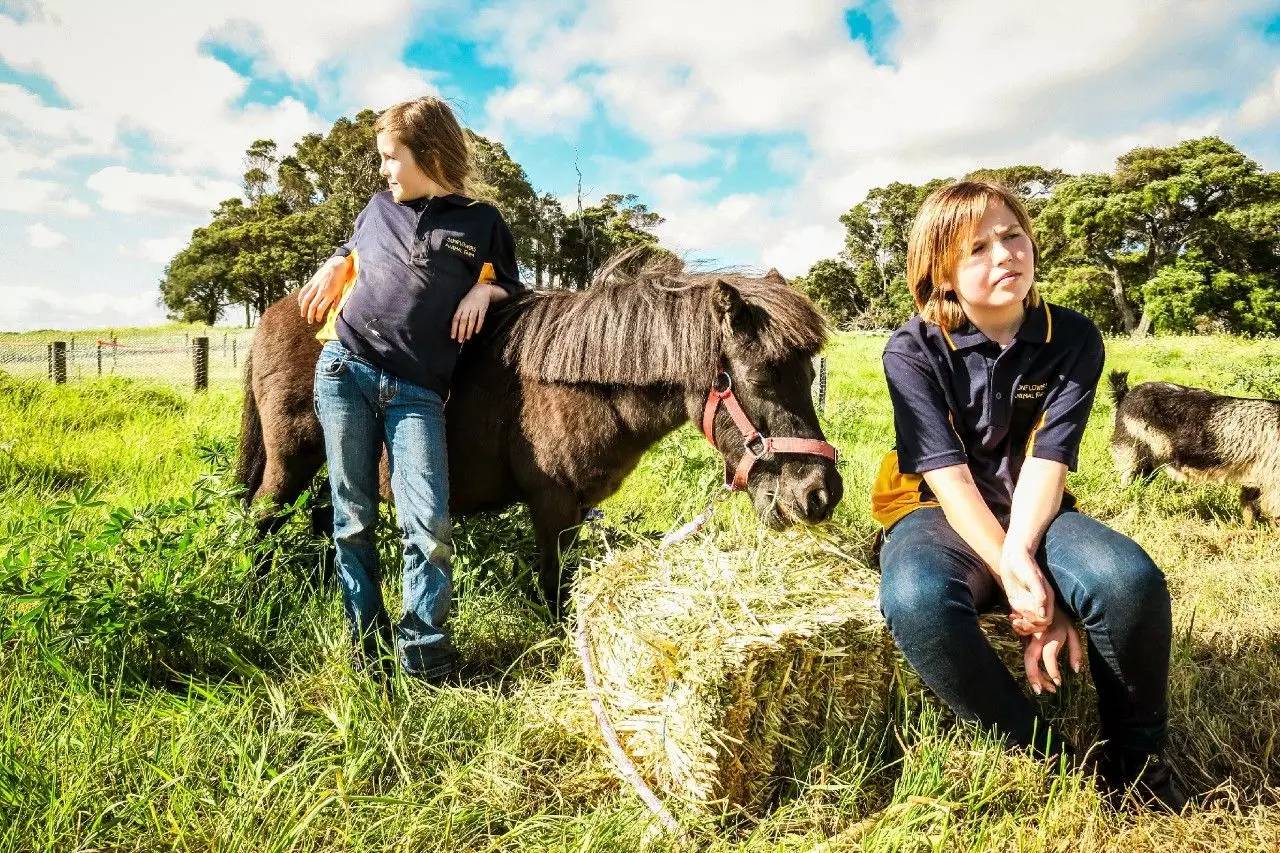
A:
(1184, 238)
(1178, 239)
(297, 207)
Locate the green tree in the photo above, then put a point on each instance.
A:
(297, 207)
(259, 167)
(549, 225)
(197, 282)
(535, 221)
(1200, 196)
(1084, 288)
(1195, 295)
(1032, 184)
(592, 235)
(875, 247)
(295, 210)
(341, 167)
(832, 283)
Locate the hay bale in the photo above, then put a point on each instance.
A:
(719, 668)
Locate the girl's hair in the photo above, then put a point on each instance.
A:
(427, 127)
(940, 236)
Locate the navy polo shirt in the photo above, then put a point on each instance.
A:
(958, 397)
(415, 260)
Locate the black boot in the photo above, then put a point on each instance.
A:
(1148, 776)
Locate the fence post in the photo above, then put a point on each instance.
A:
(115, 346)
(200, 360)
(58, 358)
(49, 360)
(233, 353)
(99, 358)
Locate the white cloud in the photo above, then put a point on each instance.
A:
(27, 195)
(389, 84)
(139, 93)
(1069, 85)
(41, 236)
(534, 107)
(125, 191)
(152, 80)
(156, 250)
(1263, 106)
(22, 191)
(32, 307)
(60, 132)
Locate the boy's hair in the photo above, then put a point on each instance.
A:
(427, 127)
(940, 235)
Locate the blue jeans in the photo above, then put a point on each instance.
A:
(360, 406)
(933, 587)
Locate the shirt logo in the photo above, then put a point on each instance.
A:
(1031, 391)
(453, 244)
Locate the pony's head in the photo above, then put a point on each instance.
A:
(774, 447)
(646, 320)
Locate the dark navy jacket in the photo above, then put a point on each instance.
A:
(415, 261)
(959, 398)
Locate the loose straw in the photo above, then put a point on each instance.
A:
(621, 761)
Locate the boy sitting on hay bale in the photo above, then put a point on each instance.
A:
(991, 391)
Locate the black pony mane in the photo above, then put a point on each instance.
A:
(647, 320)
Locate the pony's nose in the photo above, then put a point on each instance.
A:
(816, 503)
(817, 494)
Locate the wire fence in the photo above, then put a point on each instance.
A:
(193, 360)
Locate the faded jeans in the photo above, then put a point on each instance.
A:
(360, 406)
(934, 586)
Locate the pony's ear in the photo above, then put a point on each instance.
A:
(774, 276)
(741, 321)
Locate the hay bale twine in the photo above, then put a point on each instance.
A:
(719, 667)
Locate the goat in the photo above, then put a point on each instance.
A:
(1194, 434)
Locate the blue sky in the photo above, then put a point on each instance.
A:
(750, 126)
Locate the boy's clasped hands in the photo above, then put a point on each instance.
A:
(1045, 628)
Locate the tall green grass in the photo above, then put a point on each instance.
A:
(159, 692)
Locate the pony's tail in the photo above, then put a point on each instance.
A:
(1119, 385)
(251, 461)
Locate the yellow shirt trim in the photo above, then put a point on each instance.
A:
(895, 494)
(329, 331)
(1031, 439)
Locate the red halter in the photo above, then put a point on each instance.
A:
(754, 445)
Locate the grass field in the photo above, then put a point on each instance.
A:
(155, 694)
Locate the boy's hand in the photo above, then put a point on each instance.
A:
(323, 290)
(1041, 652)
(1029, 594)
(469, 318)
